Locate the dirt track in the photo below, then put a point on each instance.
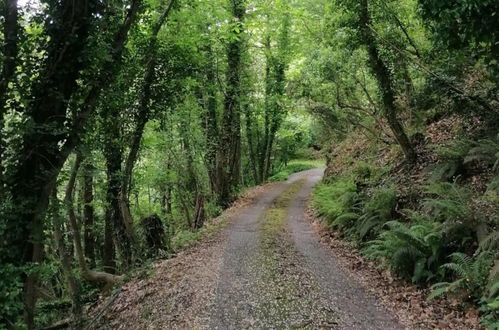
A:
(247, 277)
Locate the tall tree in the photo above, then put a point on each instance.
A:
(141, 119)
(276, 64)
(229, 148)
(210, 118)
(32, 179)
(385, 82)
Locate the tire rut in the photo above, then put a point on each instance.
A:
(235, 305)
(355, 309)
(285, 279)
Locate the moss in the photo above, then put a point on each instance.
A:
(276, 269)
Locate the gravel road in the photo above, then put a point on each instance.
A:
(266, 270)
(302, 288)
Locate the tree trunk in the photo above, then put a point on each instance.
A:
(31, 181)
(108, 251)
(141, 120)
(229, 149)
(66, 264)
(107, 278)
(113, 154)
(199, 216)
(88, 213)
(211, 124)
(385, 83)
(251, 145)
(274, 91)
(268, 111)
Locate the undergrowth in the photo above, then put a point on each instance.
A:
(447, 239)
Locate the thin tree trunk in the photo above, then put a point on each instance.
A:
(108, 253)
(80, 256)
(184, 205)
(66, 263)
(113, 155)
(274, 90)
(88, 213)
(385, 82)
(251, 145)
(141, 119)
(199, 216)
(269, 110)
(211, 124)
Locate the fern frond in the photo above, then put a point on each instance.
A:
(491, 241)
(345, 220)
(461, 265)
(438, 290)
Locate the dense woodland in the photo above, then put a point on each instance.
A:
(126, 125)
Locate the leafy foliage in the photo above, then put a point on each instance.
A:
(335, 202)
(448, 202)
(471, 276)
(413, 252)
(376, 212)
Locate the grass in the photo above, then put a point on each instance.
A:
(281, 290)
(275, 217)
(294, 166)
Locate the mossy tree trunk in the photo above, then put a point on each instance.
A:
(229, 148)
(385, 82)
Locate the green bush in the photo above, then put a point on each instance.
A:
(472, 276)
(490, 307)
(487, 150)
(10, 294)
(183, 239)
(448, 202)
(452, 160)
(335, 201)
(376, 212)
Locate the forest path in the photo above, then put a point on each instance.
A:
(265, 270)
(276, 274)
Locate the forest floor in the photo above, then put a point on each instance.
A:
(269, 268)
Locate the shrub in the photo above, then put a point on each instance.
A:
(471, 276)
(490, 307)
(376, 212)
(335, 201)
(486, 150)
(452, 164)
(448, 202)
(411, 252)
